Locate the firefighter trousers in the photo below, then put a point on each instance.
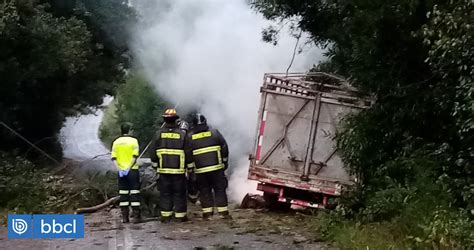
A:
(193, 191)
(173, 195)
(129, 190)
(212, 191)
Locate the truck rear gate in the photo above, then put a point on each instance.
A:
(295, 156)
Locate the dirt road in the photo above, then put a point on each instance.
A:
(80, 140)
(249, 229)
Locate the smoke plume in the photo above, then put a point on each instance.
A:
(209, 55)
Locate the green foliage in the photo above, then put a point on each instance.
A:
(449, 36)
(108, 20)
(100, 186)
(352, 235)
(441, 229)
(413, 148)
(19, 177)
(26, 188)
(52, 66)
(136, 102)
(109, 128)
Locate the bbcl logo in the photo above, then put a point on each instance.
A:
(57, 228)
(45, 226)
(20, 226)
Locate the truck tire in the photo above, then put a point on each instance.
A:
(271, 202)
(271, 199)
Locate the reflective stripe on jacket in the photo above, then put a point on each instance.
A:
(124, 151)
(209, 151)
(171, 150)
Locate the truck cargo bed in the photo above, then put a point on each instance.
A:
(298, 121)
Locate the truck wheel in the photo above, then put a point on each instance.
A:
(271, 200)
(272, 203)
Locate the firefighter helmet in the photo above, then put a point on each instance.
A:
(199, 119)
(169, 113)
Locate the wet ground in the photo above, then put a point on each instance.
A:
(249, 229)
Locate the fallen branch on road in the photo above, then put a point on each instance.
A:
(98, 207)
(107, 203)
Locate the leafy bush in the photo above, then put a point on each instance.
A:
(101, 186)
(109, 128)
(349, 234)
(446, 229)
(435, 229)
(26, 188)
(21, 185)
(136, 102)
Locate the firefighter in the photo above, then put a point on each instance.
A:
(210, 156)
(192, 190)
(125, 152)
(171, 155)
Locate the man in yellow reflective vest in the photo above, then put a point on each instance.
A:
(125, 152)
(171, 155)
(210, 156)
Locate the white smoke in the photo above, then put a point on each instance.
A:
(209, 54)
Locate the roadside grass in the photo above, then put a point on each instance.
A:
(435, 229)
(371, 236)
(347, 234)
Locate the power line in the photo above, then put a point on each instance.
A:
(29, 142)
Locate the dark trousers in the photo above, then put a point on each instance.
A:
(129, 190)
(173, 195)
(212, 191)
(193, 191)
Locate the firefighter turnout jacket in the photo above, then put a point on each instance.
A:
(210, 151)
(171, 151)
(210, 154)
(171, 155)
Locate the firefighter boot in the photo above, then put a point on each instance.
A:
(182, 219)
(125, 212)
(165, 219)
(136, 216)
(225, 215)
(206, 216)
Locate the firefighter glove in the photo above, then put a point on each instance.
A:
(123, 173)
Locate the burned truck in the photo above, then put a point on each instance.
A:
(295, 161)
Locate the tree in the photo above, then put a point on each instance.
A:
(136, 103)
(449, 35)
(50, 67)
(108, 20)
